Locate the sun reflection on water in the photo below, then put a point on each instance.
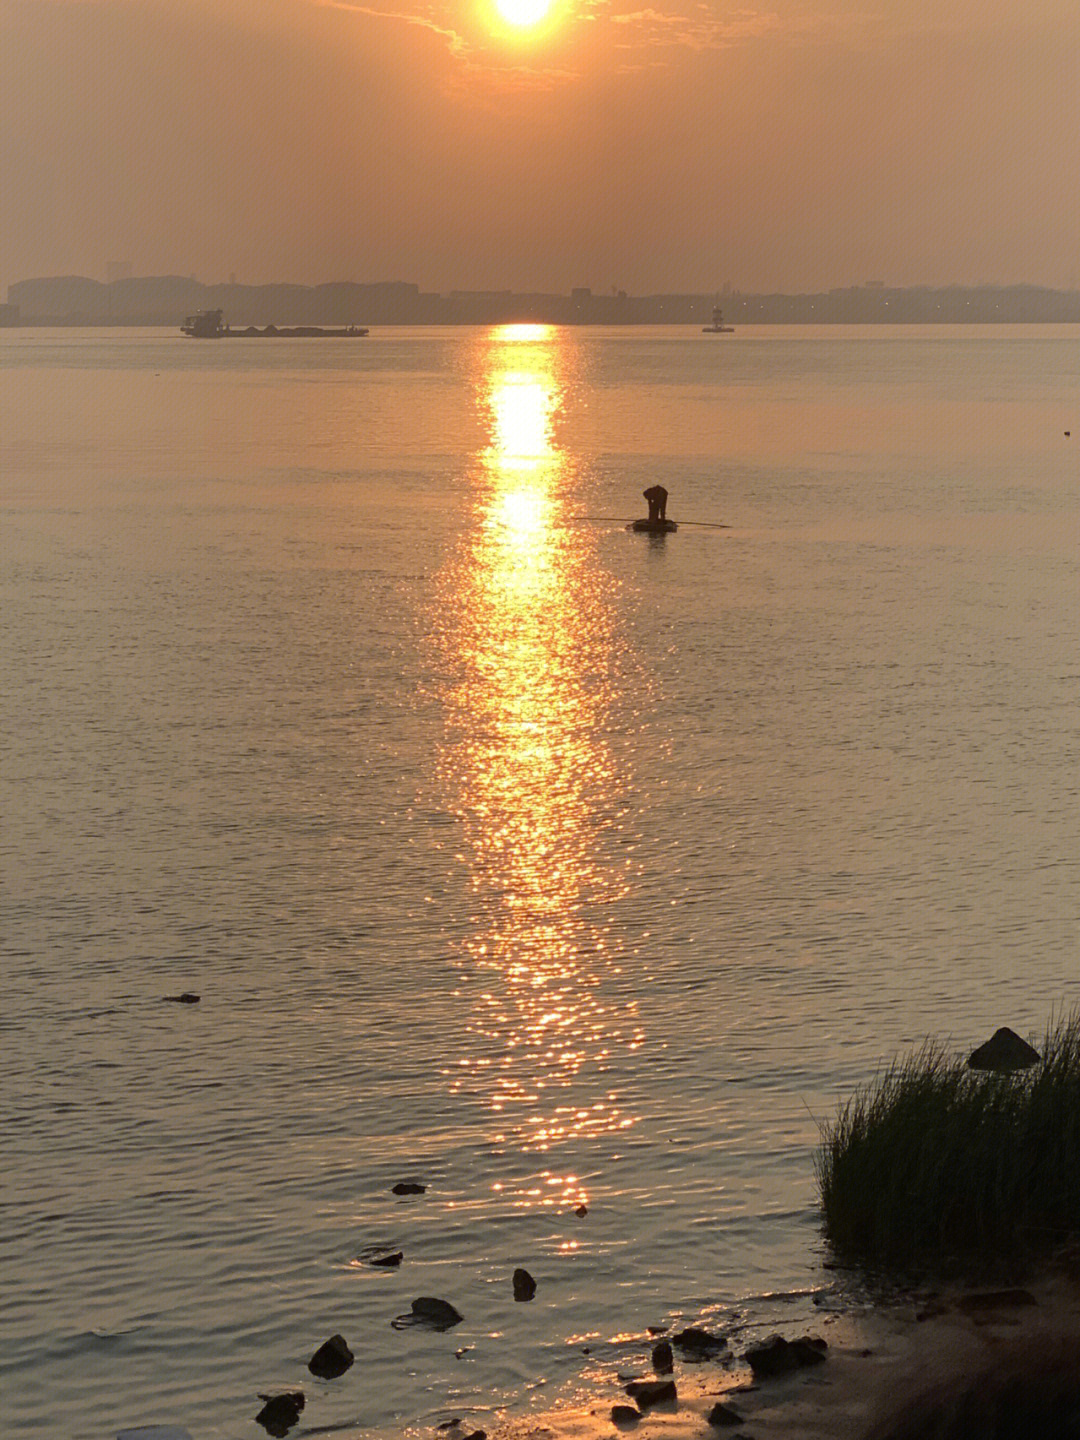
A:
(526, 625)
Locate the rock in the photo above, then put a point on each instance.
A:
(663, 1362)
(524, 1285)
(408, 1187)
(388, 1261)
(1004, 1051)
(187, 998)
(281, 1412)
(995, 1300)
(581, 1211)
(625, 1415)
(476, 1435)
(432, 1314)
(724, 1417)
(696, 1344)
(658, 1329)
(648, 1393)
(331, 1359)
(777, 1356)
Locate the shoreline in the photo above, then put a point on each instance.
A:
(878, 1357)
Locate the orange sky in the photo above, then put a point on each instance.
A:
(644, 144)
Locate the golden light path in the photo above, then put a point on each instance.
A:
(528, 771)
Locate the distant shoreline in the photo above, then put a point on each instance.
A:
(73, 300)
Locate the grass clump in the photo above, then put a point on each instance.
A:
(935, 1163)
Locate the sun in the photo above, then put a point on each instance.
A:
(523, 12)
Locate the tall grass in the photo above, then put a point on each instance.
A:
(933, 1163)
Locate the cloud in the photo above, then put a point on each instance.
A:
(455, 42)
(700, 29)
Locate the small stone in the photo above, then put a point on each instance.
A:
(524, 1285)
(663, 1362)
(331, 1359)
(581, 1211)
(408, 1187)
(476, 1435)
(658, 1329)
(1004, 1051)
(648, 1393)
(697, 1344)
(724, 1417)
(281, 1412)
(187, 998)
(625, 1415)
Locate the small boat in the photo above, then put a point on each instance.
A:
(653, 527)
(210, 325)
(718, 327)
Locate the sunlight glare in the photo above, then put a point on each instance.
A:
(523, 12)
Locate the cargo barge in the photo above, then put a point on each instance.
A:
(210, 325)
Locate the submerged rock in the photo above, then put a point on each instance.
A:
(408, 1187)
(1004, 1051)
(331, 1359)
(663, 1361)
(777, 1356)
(524, 1285)
(188, 997)
(382, 1257)
(281, 1412)
(648, 1393)
(432, 1314)
(581, 1211)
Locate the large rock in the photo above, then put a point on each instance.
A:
(524, 1285)
(331, 1359)
(724, 1417)
(281, 1412)
(1004, 1051)
(696, 1344)
(777, 1356)
(648, 1393)
(663, 1362)
(432, 1314)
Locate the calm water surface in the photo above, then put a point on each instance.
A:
(543, 863)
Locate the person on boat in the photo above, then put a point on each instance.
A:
(656, 495)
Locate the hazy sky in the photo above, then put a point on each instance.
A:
(644, 144)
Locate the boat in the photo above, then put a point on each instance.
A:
(718, 327)
(210, 325)
(204, 325)
(653, 527)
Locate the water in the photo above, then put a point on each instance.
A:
(543, 863)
